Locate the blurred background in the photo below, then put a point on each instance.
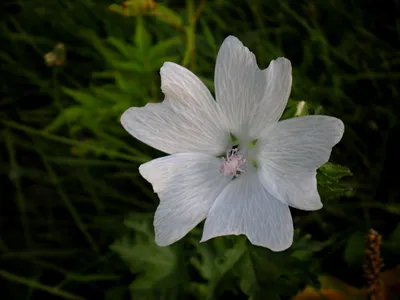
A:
(75, 215)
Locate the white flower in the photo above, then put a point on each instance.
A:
(243, 186)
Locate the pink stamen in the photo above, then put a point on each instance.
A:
(234, 163)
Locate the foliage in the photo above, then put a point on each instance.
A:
(77, 217)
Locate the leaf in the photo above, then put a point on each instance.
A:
(290, 109)
(80, 96)
(117, 9)
(205, 265)
(335, 171)
(160, 49)
(110, 95)
(99, 45)
(167, 15)
(329, 184)
(264, 274)
(142, 37)
(393, 242)
(125, 49)
(126, 84)
(216, 262)
(128, 66)
(156, 268)
(104, 74)
(354, 251)
(68, 115)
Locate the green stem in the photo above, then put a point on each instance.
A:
(41, 253)
(190, 31)
(56, 95)
(20, 196)
(80, 144)
(36, 285)
(190, 45)
(68, 203)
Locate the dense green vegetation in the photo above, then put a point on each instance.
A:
(76, 216)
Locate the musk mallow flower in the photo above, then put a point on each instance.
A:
(231, 161)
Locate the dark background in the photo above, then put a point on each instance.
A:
(345, 56)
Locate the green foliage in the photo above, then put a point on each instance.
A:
(226, 264)
(159, 269)
(70, 182)
(330, 185)
(354, 252)
(267, 274)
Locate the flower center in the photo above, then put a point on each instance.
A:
(234, 163)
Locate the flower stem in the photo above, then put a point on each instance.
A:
(36, 285)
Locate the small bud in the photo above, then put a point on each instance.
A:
(302, 109)
(56, 57)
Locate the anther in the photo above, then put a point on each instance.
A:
(234, 163)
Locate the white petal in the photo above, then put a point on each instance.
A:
(187, 185)
(250, 98)
(186, 121)
(245, 207)
(182, 87)
(291, 152)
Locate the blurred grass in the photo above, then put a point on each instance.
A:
(69, 170)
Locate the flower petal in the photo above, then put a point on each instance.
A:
(245, 207)
(250, 98)
(290, 153)
(182, 87)
(186, 121)
(187, 185)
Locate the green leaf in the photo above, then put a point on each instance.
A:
(69, 115)
(156, 268)
(126, 84)
(335, 171)
(354, 251)
(160, 49)
(264, 274)
(204, 264)
(101, 47)
(167, 15)
(117, 9)
(142, 37)
(104, 74)
(217, 261)
(329, 184)
(290, 109)
(124, 48)
(132, 66)
(110, 95)
(260, 275)
(80, 96)
(393, 242)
